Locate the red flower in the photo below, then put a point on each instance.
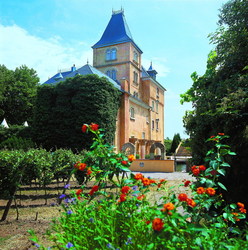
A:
(138, 176)
(94, 126)
(186, 183)
(182, 197)
(213, 172)
(79, 191)
(200, 190)
(202, 167)
(191, 202)
(131, 158)
(210, 191)
(82, 166)
(89, 172)
(84, 128)
(157, 224)
(141, 197)
(148, 222)
(212, 136)
(125, 189)
(162, 181)
(93, 190)
(124, 162)
(196, 171)
(122, 197)
(221, 134)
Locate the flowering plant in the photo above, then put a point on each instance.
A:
(126, 217)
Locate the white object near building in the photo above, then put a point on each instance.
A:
(4, 123)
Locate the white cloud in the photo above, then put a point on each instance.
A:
(18, 47)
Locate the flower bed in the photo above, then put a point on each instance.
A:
(125, 219)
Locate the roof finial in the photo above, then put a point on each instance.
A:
(87, 61)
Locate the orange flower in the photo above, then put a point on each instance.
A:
(146, 181)
(210, 191)
(131, 158)
(94, 126)
(138, 176)
(84, 128)
(212, 136)
(162, 181)
(240, 204)
(236, 216)
(94, 189)
(125, 189)
(168, 206)
(79, 191)
(191, 202)
(202, 167)
(157, 224)
(82, 166)
(200, 190)
(182, 197)
(122, 197)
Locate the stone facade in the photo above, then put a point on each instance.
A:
(141, 116)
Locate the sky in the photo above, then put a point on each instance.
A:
(52, 35)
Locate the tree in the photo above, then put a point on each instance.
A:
(61, 110)
(175, 142)
(219, 97)
(167, 144)
(17, 94)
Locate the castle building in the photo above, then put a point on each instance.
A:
(140, 120)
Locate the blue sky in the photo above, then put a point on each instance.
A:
(49, 35)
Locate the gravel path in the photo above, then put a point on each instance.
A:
(168, 176)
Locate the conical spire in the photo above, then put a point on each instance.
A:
(116, 32)
(152, 72)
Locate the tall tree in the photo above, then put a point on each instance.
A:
(17, 94)
(62, 109)
(219, 97)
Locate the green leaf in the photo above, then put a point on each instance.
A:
(231, 153)
(222, 171)
(221, 185)
(225, 164)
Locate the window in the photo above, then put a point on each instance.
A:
(135, 56)
(157, 92)
(132, 113)
(143, 135)
(153, 105)
(152, 124)
(113, 74)
(135, 77)
(111, 54)
(135, 94)
(108, 73)
(157, 106)
(157, 120)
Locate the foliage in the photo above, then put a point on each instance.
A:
(17, 94)
(17, 143)
(219, 97)
(167, 144)
(124, 218)
(61, 108)
(175, 143)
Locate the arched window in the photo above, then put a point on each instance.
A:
(108, 73)
(108, 54)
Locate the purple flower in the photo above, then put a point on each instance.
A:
(109, 245)
(135, 188)
(91, 220)
(37, 245)
(67, 186)
(69, 245)
(62, 196)
(129, 241)
(69, 212)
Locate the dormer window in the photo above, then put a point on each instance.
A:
(111, 54)
(111, 74)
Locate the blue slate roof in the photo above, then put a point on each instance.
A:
(85, 70)
(116, 32)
